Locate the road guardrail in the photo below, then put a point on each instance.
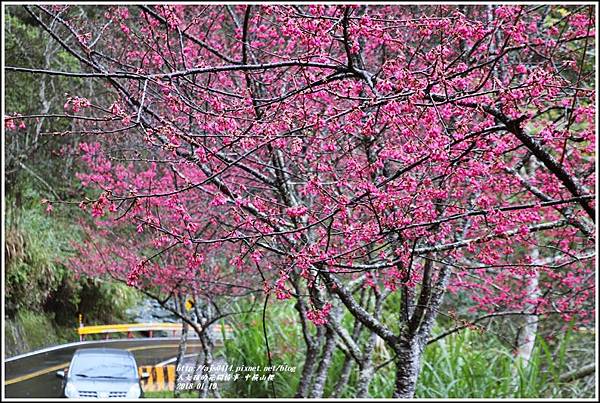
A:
(150, 328)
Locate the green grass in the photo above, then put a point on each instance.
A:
(165, 394)
(38, 276)
(246, 346)
(469, 364)
(35, 244)
(465, 364)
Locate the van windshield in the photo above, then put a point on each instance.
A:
(104, 366)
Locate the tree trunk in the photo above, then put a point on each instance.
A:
(348, 360)
(408, 363)
(308, 369)
(343, 377)
(366, 372)
(203, 316)
(207, 361)
(528, 333)
(324, 364)
(180, 352)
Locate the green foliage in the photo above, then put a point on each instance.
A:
(38, 279)
(246, 346)
(470, 364)
(19, 92)
(27, 45)
(30, 153)
(33, 330)
(165, 394)
(465, 364)
(35, 245)
(104, 302)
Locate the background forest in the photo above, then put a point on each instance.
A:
(50, 278)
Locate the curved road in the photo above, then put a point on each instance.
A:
(33, 375)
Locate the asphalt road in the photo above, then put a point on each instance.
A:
(33, 375)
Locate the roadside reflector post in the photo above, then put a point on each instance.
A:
(80, 317)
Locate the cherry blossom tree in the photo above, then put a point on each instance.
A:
(340, 155)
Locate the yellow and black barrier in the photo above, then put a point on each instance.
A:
(160, 377)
